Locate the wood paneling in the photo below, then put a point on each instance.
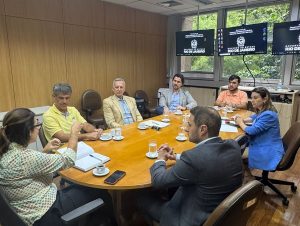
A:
(87, 12)
(150, 23)
(119, 18)
(120, 58)
(87, 43)
(149, 61)
(35, 9)
(85, 60)
(7, 101)
(37, 59)
(1, 7)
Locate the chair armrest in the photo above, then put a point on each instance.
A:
(82, 211)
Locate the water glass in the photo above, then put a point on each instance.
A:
(118, 132)
(112, 132)
(152, 148)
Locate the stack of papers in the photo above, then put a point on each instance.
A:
(225, 127)
(86, 158)
(159, 124)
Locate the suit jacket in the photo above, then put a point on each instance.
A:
(205, 175)
(185, 99)
(265, 147)
(113, 112)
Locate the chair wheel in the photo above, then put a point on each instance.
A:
(285, 202)
(294, 188)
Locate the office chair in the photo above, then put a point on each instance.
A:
(9, 217)
(42, 137)
(243, 141)
(142, 98)
(237, 208)
(91, 103)
(291, 143)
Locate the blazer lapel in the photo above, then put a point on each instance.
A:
(115, 101)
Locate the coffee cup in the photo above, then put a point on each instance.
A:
(100, 169)
(118, 132)
(181, 135)
(106, 136)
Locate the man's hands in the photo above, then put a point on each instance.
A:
(165, 152)
(95, 135)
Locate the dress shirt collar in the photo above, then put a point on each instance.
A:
(208, 139)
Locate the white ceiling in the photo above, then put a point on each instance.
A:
(185, 7)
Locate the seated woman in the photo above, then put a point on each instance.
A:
(26, 175)
(265, 147)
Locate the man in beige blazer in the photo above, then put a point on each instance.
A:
(119, 109)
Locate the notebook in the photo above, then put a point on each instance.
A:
(86, 158)
(151, 123)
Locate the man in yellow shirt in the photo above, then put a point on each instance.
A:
(57, 121)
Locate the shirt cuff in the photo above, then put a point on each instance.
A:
(178, 156)
(160, 160)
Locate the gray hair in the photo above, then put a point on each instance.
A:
(63, 88)
(118, 80)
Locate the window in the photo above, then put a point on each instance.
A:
(263, 66)
(204, 64)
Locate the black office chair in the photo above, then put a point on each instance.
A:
(42, 137)
(243, 141)
(9, 217)
(291, 142)
(143, 102)
(237, 208)
(91, 103)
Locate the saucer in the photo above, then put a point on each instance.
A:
(229, 111)
(178, 113)
(105, 138)
(151, 156)
(165, 120)
(106, 171)
(118, 138)
(224, 118)
(181, 138)
(143, 128)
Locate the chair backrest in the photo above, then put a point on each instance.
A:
(42, 137)
(8, 216)
(243, 141)
(141, 94)
(237, 208)
(291, 143)
(90, 101)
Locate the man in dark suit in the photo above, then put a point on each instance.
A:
(204, 175)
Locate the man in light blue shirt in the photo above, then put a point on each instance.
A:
(176, 98)
(119, 109)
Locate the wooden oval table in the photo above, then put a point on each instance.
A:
(129, 154)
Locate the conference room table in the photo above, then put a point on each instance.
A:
(129, 154)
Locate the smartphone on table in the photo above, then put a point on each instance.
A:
(115, 177)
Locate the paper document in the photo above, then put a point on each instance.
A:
(86, 158)
(228, 128)
(159, 124)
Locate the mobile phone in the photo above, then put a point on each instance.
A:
(115, 177)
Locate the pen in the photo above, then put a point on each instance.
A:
(95, 157)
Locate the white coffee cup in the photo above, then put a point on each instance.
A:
(105, 136)
(181, 135)
(100, 169)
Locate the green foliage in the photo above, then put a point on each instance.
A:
(264, 66)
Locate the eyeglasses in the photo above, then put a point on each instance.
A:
(38, 125)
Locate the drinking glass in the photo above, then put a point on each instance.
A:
(152, 148)
(118, 132)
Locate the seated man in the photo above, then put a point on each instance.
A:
(176, 98)
(233, 96)
(205, 175)
(57, 121)
(119, 109)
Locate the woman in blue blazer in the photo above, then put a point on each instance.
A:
(265, 147)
